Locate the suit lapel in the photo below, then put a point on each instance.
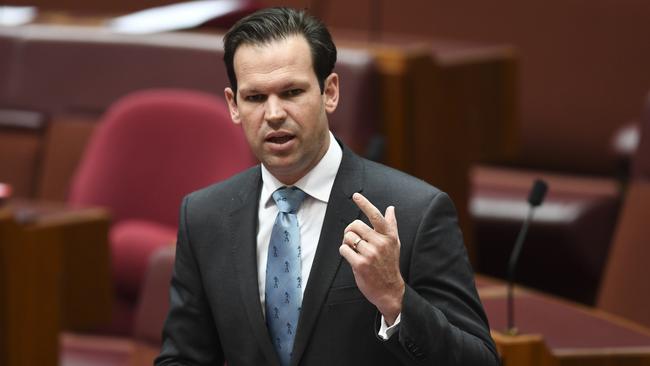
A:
(341, 211)
(243, 221)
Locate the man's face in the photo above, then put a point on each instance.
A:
(280, 106)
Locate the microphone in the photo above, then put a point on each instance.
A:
(535, 198)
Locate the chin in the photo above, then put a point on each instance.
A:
(286, 170)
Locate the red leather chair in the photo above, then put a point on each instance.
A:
(151, 148)
(625, 288)
(144, 346)
(153, 306)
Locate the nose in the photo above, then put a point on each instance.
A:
(274, 111)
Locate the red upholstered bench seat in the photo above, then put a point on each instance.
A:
(568, 240)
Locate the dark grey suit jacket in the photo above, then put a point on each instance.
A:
(215, 312)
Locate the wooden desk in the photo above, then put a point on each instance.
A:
(53, 276)
(523, 350)
(557, 332)
(82, 234)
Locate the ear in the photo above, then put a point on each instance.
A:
(331, 92)
(232, 105)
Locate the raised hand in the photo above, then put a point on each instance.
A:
(373, 254)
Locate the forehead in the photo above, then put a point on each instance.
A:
(283, 58)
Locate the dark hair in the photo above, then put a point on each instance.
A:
(273, 24)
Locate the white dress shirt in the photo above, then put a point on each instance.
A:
(317, 184)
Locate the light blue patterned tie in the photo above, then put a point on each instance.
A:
(283, 276)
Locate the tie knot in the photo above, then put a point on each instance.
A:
(288, 199)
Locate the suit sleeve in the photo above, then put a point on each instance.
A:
(189, 334)
(442, 319)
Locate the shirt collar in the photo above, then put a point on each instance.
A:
(317, 183)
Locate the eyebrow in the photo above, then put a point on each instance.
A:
(294, 83)
(291, 84)
(248, 91)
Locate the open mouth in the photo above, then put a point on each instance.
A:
(280, 139)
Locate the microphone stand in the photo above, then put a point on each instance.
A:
(535, 198)
(512, 264)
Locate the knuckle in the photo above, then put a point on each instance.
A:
(348, 235)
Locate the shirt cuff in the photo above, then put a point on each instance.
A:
(385, 332)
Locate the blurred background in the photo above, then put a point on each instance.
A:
(112, 111)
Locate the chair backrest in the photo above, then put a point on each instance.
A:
(625, 289)
(155, 146)
(154, 300)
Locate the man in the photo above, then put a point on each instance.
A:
(299, 261)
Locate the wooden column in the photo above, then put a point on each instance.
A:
(30, 288)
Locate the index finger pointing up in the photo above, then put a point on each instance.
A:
(377, 220)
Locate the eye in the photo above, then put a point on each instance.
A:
(293, 92)
(255, 98)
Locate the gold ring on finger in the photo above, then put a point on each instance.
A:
(356, 242)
